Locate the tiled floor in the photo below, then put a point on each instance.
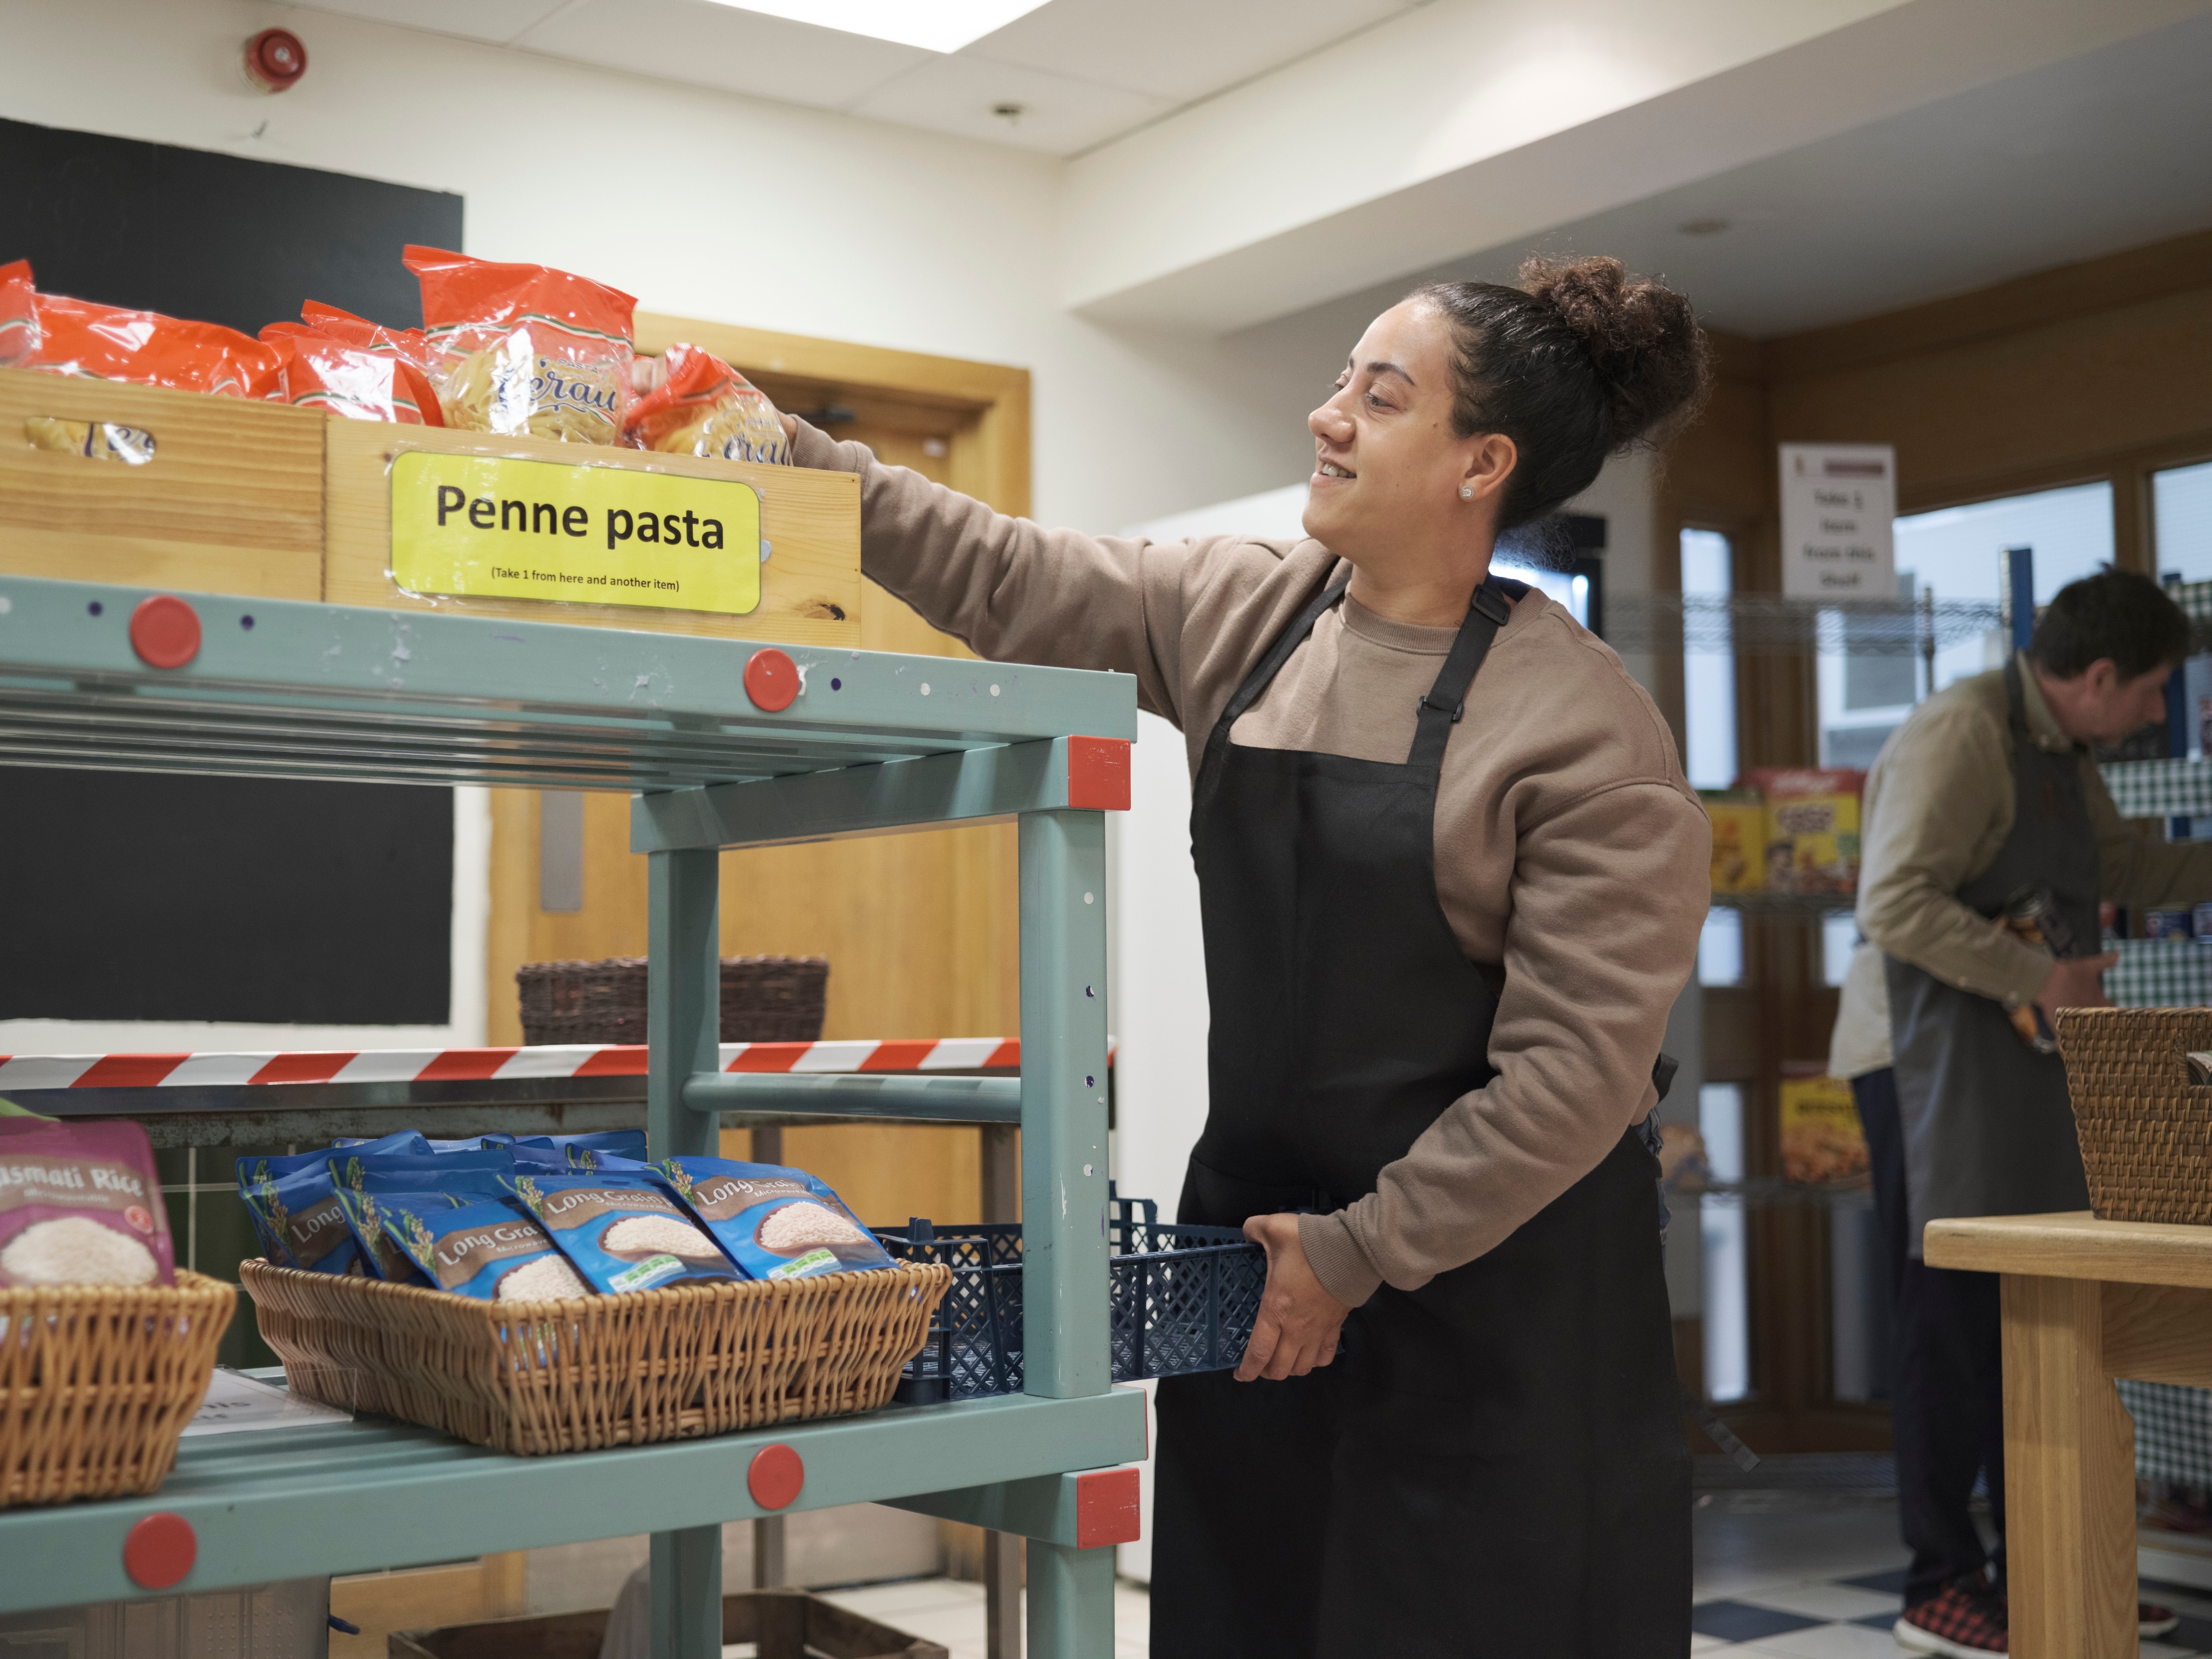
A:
(1779, 1576)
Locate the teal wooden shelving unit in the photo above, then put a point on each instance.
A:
(872, 743)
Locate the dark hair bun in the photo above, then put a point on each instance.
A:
(1649, 350)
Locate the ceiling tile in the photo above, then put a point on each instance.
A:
(720, 47)
(1060, 115)
(496, 20)
(1175, 49)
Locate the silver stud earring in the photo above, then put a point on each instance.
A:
(1467, 492)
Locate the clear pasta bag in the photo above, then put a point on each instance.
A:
(704, 407)
(525, 350)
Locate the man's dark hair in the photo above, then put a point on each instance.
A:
(2120, 614)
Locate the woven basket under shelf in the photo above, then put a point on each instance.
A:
(764, 999)
(599, 1371)
(2145, 1130)
(97, 1382)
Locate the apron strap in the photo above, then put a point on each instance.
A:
(1217, 741)
(1489, 610)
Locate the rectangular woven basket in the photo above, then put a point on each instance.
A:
(97, 1382)
(764, 999)
(2146, 1129)
(599, 1371)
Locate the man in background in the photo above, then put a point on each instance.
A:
(1986, 803)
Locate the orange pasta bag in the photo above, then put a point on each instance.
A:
(704, 407)
(525, 349)
(109, 342)
(321, 370)
(19, 314)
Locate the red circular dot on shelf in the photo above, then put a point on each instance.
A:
(772, 680)
(775, 1476)
(164, 631)
(160, 1550)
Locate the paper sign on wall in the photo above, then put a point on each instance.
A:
(1838, 502)
(547, 530)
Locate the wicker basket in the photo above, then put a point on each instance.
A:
(96, 1384)
(2145, 1130)
(601, 1371)
(764, 999)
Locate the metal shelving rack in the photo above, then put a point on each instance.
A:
(873, 743)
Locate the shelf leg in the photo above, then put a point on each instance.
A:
(1002, 1596)
(683, 996)
(1071, 1602)
(683, 1024)
(1063, 1247)
(770, 1569)
(687, 1594)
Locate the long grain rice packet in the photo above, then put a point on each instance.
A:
(490, 1248)
(775, 1223)
(622, 1231)
(80, 1204)
(294, 1202)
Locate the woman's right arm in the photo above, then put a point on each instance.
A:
(1012, 591)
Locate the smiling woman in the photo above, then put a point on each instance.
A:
(1444, 919)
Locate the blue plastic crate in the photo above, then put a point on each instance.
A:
(1182, 1299)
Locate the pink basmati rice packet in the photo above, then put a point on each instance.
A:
(80, 1204)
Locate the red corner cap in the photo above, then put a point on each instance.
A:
(160, 1550)
(775, 1476)
(1106, 1509)
(164, 631)
(771, 680)
(1098, 773)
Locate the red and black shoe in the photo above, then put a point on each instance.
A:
(2152, 1619)
(1962, 1618)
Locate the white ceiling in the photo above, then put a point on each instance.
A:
(1086, 72)
(2108, 150)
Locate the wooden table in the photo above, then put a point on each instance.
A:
(2085, 1301)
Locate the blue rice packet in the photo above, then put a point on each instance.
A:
(622, 1231)
(466, 1143)
(775, 1223)
(580, 1152)
(365, 1182)
(294, 1207)
(489, 1249)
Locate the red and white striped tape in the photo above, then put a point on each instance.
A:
(483, 1065)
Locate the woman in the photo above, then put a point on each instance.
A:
(1445, 917)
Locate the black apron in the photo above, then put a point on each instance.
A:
(1494, 1464)
(1989, 1126)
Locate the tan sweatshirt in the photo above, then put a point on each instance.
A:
(1569, 847)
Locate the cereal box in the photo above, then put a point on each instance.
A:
(1812, 829)
(1821, 1139)
(1739, 818)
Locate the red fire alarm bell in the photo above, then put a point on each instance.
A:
(276, 59)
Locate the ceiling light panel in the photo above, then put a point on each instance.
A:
(933, 25)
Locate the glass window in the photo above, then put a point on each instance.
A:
(1722, 1234)
(1720, 948)
(1709, 677)
(1840, 937)
(1957, 553)
(2181, 519)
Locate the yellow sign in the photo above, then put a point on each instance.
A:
(498, 528)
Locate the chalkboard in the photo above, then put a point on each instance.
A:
(196, 233)
(148, 896)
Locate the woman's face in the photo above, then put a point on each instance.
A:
(1385, 492)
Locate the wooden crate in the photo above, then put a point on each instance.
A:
(810, 585)
(784, 1624)
(231, 502)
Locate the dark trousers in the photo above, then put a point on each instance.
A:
(1947, 1396)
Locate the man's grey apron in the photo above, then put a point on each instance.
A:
(1989, 1127)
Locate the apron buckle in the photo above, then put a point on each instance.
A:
(1455, 710)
